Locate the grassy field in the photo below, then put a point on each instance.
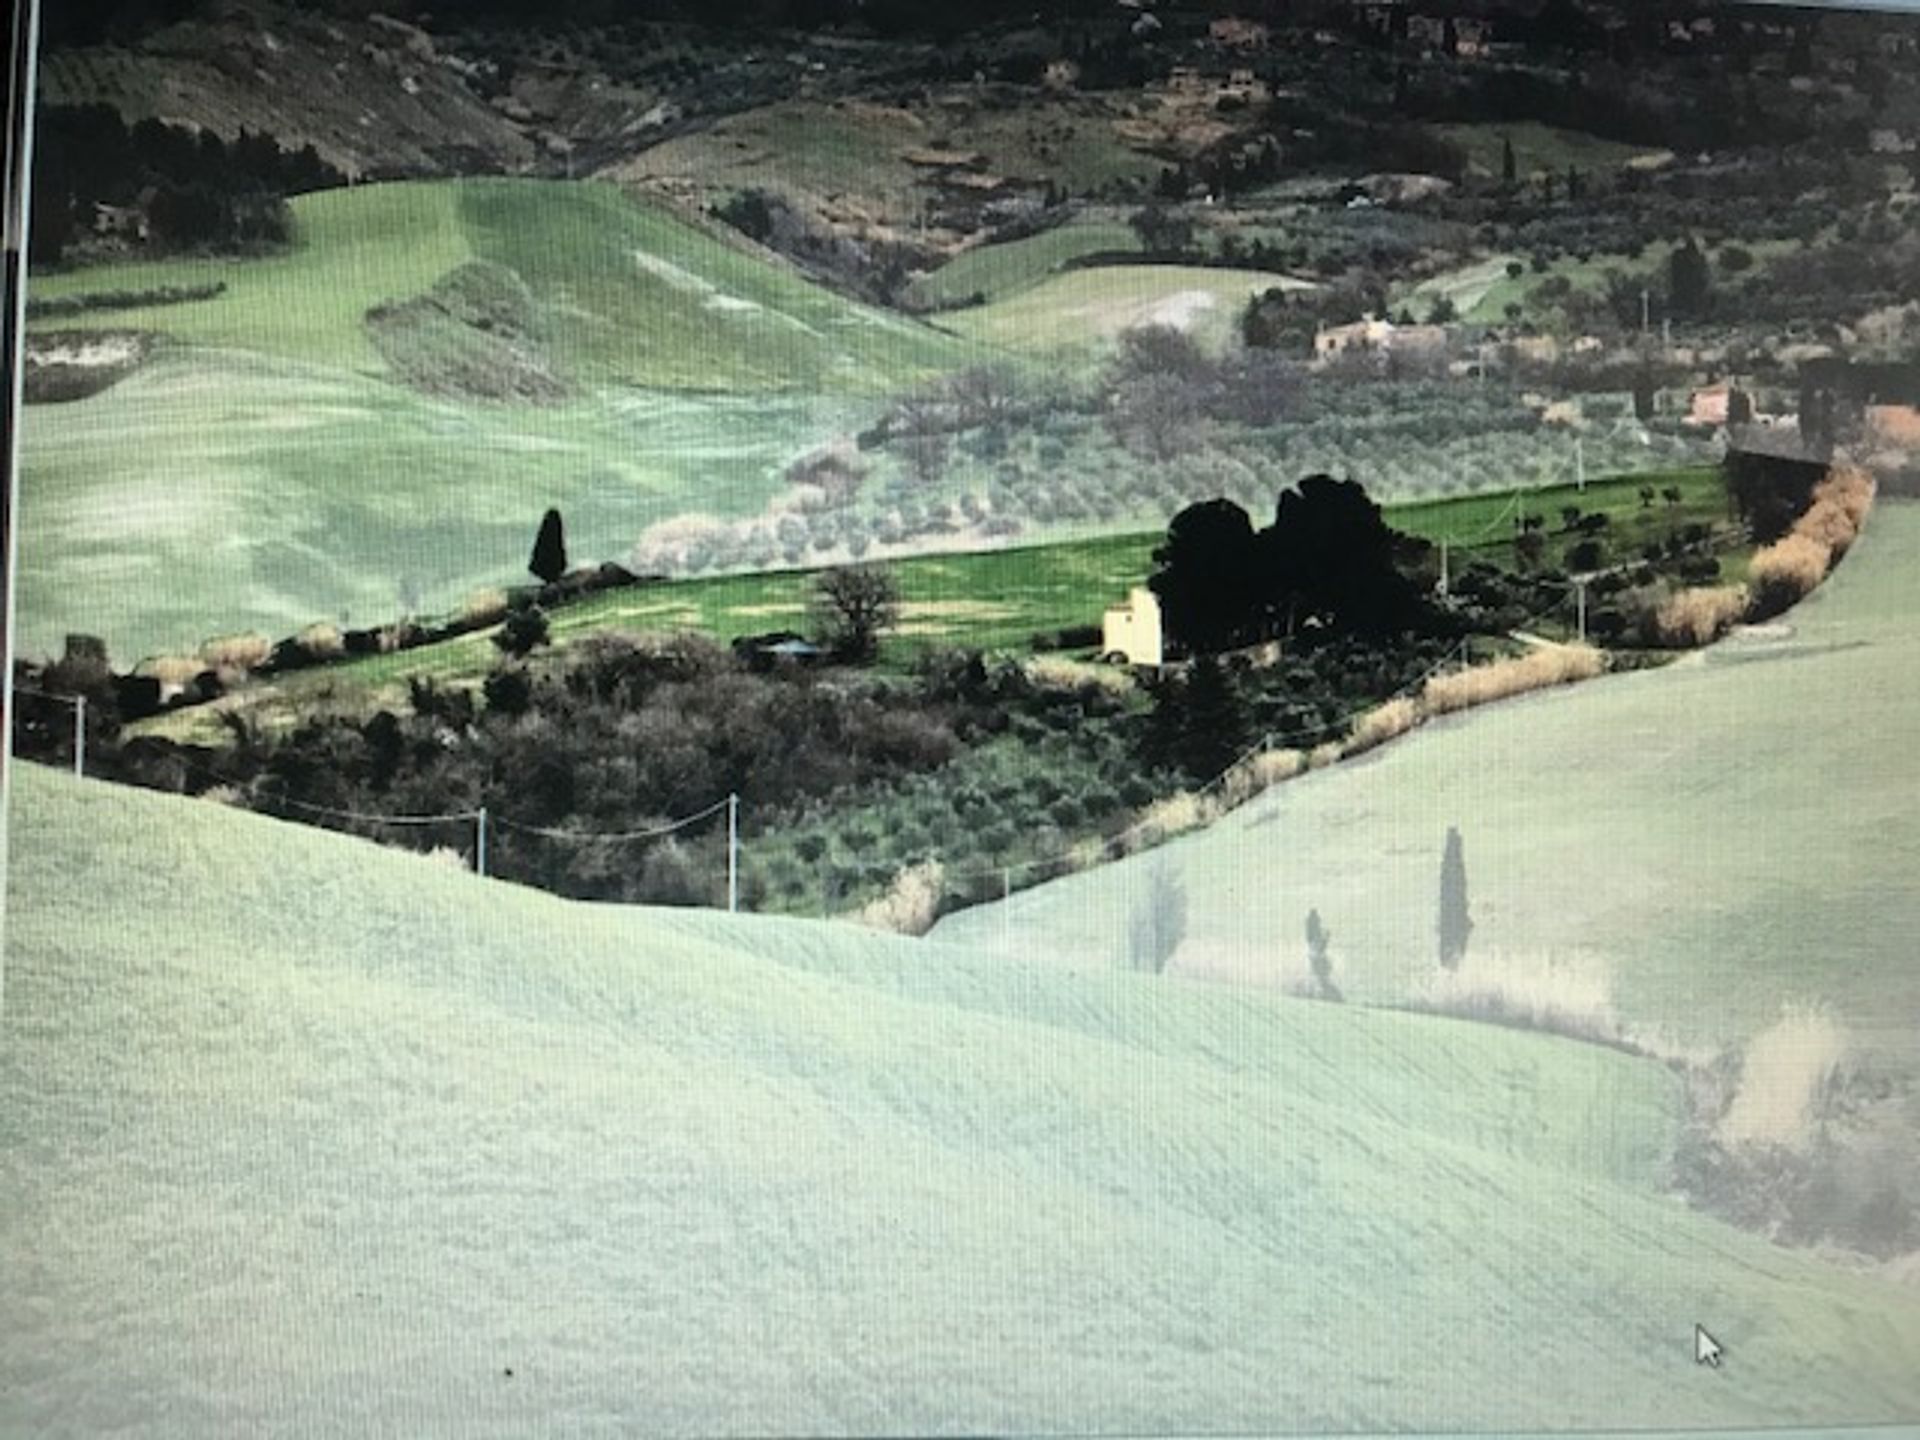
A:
(991, 600)
(1086, 310)
(997, 271)
(1538, 149)
(632, 294)
(1482, 290)
(219, 491)
(1712, 839)
(294, 1126)
(320, 489)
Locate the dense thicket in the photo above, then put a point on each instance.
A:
(192, 190)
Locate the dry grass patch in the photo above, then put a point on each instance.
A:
(912, 901)
(484, 607)
(1165, 818)
(236, 653)
(1789, 568)
(1700, 615)
(1570, 996)
(1379, 725)
(1056, 672)
(322, 641)
(1786, 1075)
(1498, 680)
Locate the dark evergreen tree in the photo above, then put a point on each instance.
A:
(549, 561)
(1509, 163)
(1206, 578)
(1455, 923)
(1215, 724)
(1689, 282)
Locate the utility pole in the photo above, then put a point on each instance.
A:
(480, 842)
(1646, 311)
(1443, 569)
(733, 854)
(1006, 920)
(80, 736)
(1580, 606)
(1580, 464)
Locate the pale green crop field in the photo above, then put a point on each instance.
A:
(1087, 310)
(997, 271)
(1716, 839)
(292, 1126)
(353, 249)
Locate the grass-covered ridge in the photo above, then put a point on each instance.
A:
(634, 295)
(677, 1173)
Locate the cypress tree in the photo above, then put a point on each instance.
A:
(1456, 925)
(549, 560)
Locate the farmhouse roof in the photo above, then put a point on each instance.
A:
(1776, 442)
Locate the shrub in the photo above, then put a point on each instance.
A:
(1785, 1077)
(1570, 997)
(524, 631)
(322, 641)
(1788, 569)
(1500, 679)
(1700, 615)
(236, 653)
(1165, 818)
(1260, 772)
(1382, 723)
(484, 607)
(912, 901)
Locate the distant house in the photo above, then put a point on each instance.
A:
(1239, 34)
(121, 222)
(1381, 338)
(1710, 406)
(1132, 631)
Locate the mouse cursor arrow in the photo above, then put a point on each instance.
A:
(1706, 1349)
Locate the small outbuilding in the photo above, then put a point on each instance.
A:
(1132, 632)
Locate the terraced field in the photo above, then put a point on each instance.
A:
(294, 1126)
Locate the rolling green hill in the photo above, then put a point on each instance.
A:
(1718, 837)
(632, 294)
(216, 491)
(335, 470)
(294, 1126)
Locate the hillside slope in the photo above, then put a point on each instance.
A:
(367, 96)
(1719, 837)
(339, 466)
(635, 295)
(293, 1127)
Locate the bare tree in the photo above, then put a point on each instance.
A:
(853, 605)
